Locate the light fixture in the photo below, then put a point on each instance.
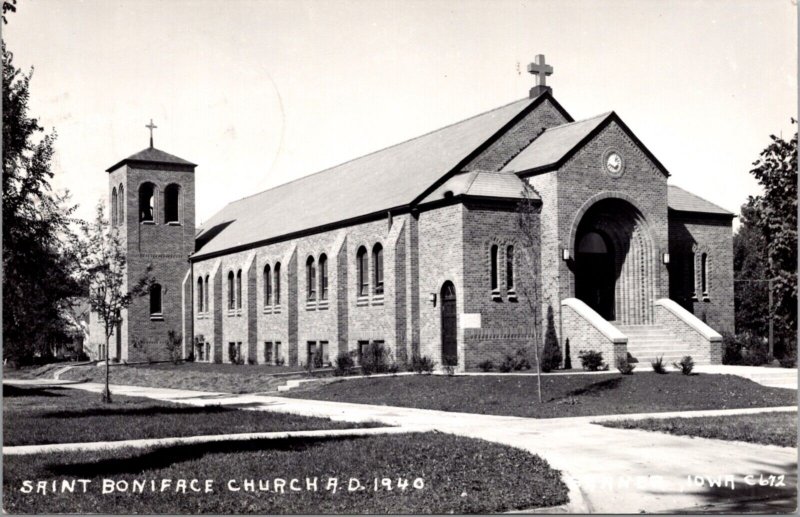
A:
(432, 299)
(565, 254)
(665, 258)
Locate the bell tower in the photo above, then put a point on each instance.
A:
(152, 206)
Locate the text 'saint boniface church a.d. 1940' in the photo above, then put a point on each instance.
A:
(418, 246)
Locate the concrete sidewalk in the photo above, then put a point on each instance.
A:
(608, 470)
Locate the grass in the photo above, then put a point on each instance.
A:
(563, 395)
(224, 378)
(779, 428)
(461, 475)
(61, 415)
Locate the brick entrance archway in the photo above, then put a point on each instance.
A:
(615, 262)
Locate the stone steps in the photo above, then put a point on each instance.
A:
(646, 343)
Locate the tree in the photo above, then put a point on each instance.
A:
(551, 355)
(774, 213)
(750, 276)
(105, 275)
(39, 242)
(529, 251)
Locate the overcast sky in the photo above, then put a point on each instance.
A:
(259, 93)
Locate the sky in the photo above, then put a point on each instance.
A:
(258, 93)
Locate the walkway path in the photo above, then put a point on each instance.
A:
(608, 470)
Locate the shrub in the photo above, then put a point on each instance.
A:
(486, 366)
(175, 346)
(521, 361)
(508, 364)
(658, 365)
(317, 358)
(422, 364)
(744, 349)
(251, 361)
(624, 366)
(375, 359)
(344, 363)
(591, 360)
(280, 361)
(686, 365)
(567, 358)
(789, 360)
(449, 364)
(551, 355)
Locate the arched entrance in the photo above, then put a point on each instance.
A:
(615, 266)
(449, 324)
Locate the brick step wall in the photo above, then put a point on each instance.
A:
(646, 343)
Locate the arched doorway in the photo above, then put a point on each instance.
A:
(615, 263)
(449, 324)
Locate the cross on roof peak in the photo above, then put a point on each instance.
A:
(540, 69)
(151, 127)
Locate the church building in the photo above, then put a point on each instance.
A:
(453, 245)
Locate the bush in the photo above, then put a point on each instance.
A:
(521, 361)
(449, 364)
(686, 365)
(486, 366)
(551, 355)
(567, 358)
(375, 359)
(344, 364)
(175, 346)
(744, 349)
(624, 366)
(422, 364)
(280, 361)
(591, 360)
(789, 360)
(658, 365)
(508, 364)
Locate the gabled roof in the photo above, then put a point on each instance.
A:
(373, 184)
(486, 184)
(153, 156)
(556, 145)
(682, 200)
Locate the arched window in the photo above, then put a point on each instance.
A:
(362, 265)
(147, 202)
(323, 277)
(510, 268)
(205, 293)
(311, 279)
(239, 289)
(493, 272)
(704, 274)
(277, 275)
(200, 297)
(155, 300)
(114, 206)
(171, 203)
(231, 292)
(267, 286)
(377, 271)
(121, 205)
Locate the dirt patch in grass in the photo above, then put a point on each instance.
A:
(60, 415)
(461, 475)
(563, 395)
(779, 428)
(223, 378)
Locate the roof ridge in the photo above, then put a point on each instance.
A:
(328, 169)
(698, 196)
(602, 115)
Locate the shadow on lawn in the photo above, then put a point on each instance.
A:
(139, 411)
(166, 457)
(16, 391)
(596, 387)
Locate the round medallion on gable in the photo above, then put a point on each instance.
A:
(613, 163)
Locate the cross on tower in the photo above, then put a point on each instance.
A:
(540, 70)
(151, 127)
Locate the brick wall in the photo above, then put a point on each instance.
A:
(583, 335)
(704, 349)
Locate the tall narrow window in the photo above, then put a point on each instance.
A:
(323, 277)
(362, 265)
(171, 203)
(704, 274)
(311, 279)
(267, 286)
(239, 289)
(114, 207)
(231, 292)
(155, 300)
(205, 300)
(510, 268)
(200, 297)
(121, 205)
(277, 275)
(377, 272)
(147, 202)
(493, 272)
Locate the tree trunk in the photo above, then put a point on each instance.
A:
(107, 392)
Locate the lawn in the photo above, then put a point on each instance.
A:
(60, 415)
(224, 378)
(461, 475)
(563, 395)
(764, 428)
